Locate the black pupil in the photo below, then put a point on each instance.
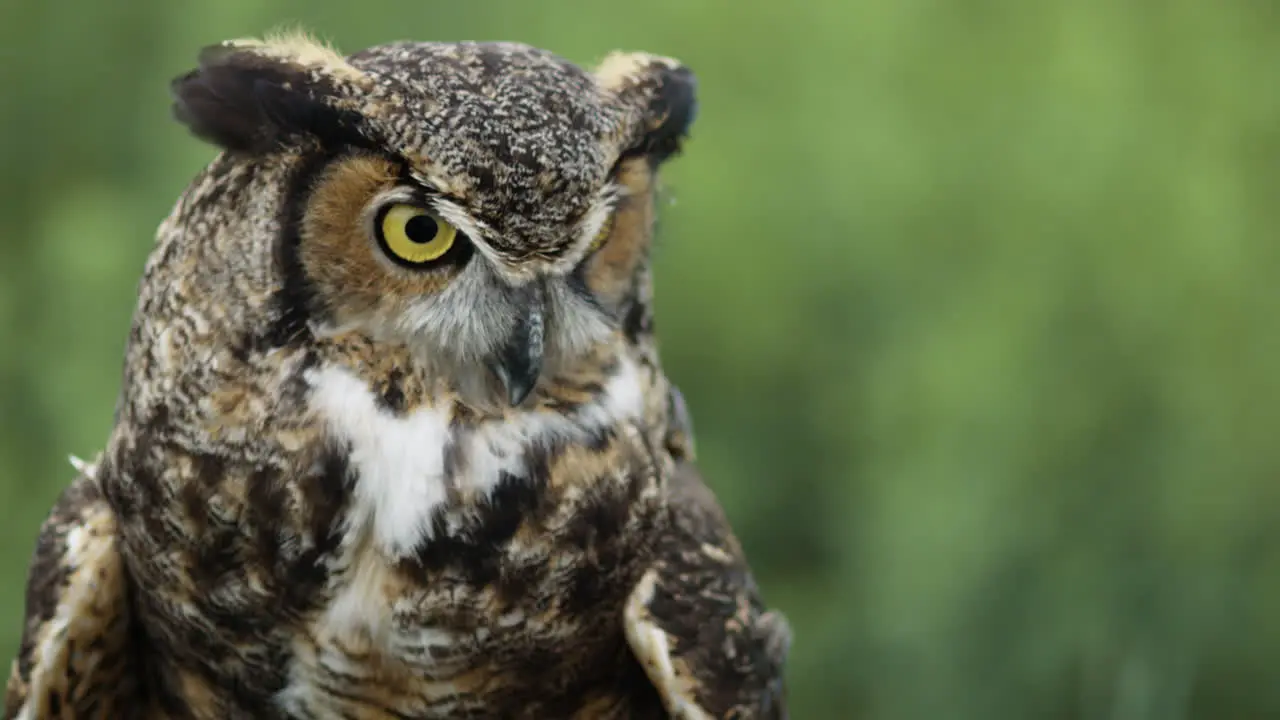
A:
(421, 229)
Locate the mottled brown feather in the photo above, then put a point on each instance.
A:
(697, 622)
(696, 619)
(77, 658)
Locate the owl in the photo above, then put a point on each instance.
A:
(393, 438)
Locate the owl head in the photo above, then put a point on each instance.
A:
(487, 205)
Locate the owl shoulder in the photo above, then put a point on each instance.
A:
(696, 619)
(76, 657)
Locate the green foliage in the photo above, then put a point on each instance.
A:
(973, 304)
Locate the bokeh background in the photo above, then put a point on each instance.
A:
(975, 304)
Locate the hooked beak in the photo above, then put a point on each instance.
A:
(518, 363)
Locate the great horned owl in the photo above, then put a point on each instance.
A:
(393, 439)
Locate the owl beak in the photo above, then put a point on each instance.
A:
(519, 363)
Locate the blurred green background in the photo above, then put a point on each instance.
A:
(974, 303)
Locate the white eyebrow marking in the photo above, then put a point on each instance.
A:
(605, 204)
(602, 207)
(457, 216)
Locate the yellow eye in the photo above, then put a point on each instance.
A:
(412, 236)
(605, 230)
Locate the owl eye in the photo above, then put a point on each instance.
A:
(414, 237)
(605, 230)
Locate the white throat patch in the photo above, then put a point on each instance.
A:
(399, 461)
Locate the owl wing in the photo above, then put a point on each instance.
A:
(696, 620)
(76, 658)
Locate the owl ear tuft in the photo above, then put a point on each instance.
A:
(661, 94)
(255, 96)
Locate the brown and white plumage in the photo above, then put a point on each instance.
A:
(77, 657)
(696, 620)
(394, 439)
